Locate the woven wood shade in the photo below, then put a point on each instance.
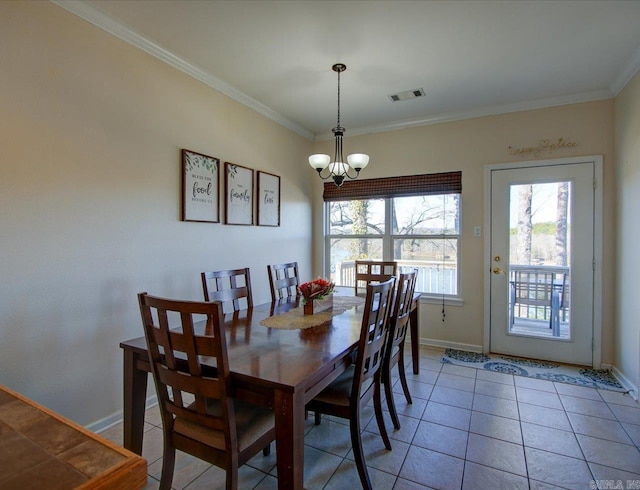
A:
(408, 185)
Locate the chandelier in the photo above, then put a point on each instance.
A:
(338, 169)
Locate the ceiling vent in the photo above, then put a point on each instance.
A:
(409, 94)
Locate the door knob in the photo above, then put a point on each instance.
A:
(498, 270)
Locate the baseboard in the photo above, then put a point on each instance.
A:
(116, 417)
(624, 381)
(451, 345)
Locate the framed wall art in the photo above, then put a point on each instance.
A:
(268, 196)
(238, 182)
(200, 187)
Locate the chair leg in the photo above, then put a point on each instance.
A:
(403, 378)
(317, 417)
(377, 405)
(388, 392)
(266, 451)
(232, 478)
(358, 453)
(168, 464)
(232, 471)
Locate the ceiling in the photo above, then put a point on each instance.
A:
(472, 58)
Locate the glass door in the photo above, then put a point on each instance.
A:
(542, 262)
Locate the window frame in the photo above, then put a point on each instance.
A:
(388, 240)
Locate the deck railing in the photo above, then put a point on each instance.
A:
(433, 277)
(539, 293)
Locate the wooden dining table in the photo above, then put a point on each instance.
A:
(281, 369)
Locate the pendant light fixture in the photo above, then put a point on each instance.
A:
(338, 169)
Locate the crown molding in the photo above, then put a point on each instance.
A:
(103, 21)
(473, 113)
(627, 73)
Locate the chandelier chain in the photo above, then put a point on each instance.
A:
(338, 98)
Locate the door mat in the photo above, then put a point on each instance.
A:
(551, 371)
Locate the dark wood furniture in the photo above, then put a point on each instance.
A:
(394, 354)
(199, 415)
(353, 389)
(275, 368)
(42, 449)
(229, 287)
(376, 270)
(283, 280)
(373, 270)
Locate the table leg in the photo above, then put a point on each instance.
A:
(135, 394)
(415, 339)
(289, 418)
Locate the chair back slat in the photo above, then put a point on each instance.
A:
(373, 336)
(283, 280)
(373, 271)
(229, 287)
(185, 389)
(399, 318)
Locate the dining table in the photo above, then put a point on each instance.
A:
(280, 366)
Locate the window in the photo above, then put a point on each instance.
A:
(419, 231)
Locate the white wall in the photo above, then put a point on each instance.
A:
(90, 135)
(627, 113)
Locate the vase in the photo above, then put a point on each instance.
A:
(313, 306)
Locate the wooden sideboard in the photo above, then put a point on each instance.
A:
(41, 449)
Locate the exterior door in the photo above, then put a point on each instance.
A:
(542, 262)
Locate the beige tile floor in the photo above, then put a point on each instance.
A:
(466, 429)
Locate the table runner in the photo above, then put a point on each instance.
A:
(296, 319)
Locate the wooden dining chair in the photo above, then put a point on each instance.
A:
(373, 270)
(229, 287)
(394, 350)
(199, 415)
(351, 391)
(283, 280)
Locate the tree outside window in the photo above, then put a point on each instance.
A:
(419, 232)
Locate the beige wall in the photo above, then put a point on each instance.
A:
(469, 146)
(627, 305)
(90, 135)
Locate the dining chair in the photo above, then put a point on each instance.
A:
(228, 287)
(351, 391)
(394, 350)
(199, 415)
(283, 280)
(373, 270)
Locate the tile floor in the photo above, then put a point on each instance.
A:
(466, 429)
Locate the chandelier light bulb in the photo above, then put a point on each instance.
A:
(319, 161)
(358, 161)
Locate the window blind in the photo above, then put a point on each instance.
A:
(408, 185)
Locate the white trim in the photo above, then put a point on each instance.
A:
(451, 345)
(103, 21)
(597, 244)
(626, 74)
(598, 256)
(473, 113)
(115, 418)
(626, 382)
(435, 300)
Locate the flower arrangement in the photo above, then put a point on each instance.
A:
(316, 289)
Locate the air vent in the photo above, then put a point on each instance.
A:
(409, 94)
